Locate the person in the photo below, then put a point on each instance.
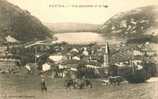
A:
(43, 85)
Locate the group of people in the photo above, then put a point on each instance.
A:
(83, 83)
(78, 83)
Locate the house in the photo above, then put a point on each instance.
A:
(123, 68)
(137, 53)
(76, 58)
(85, 52)
(74, 50)
(57, 58)
(46, 67)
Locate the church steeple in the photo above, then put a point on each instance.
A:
(106, 52)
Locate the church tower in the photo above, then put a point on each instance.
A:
(106, 55)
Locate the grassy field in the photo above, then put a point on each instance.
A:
(28, 87)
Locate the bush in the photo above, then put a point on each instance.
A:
(137, 77)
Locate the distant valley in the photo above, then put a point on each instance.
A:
(72, 27)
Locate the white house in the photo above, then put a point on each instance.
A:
(57, 58)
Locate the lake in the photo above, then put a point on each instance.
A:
(80, 37)
(85, 38)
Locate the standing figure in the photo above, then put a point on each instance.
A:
(43, 85)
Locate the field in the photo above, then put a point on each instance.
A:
(28, 87)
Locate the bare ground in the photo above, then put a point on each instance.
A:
(28, 87)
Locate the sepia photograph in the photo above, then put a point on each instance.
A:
(78, 49)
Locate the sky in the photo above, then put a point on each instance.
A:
(47, 13)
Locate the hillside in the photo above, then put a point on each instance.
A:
(71, 27)
(137, 26)
(20, 24)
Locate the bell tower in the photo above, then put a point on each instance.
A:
(106, 55)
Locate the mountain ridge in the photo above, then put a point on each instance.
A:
(133, 25)
(20, 24)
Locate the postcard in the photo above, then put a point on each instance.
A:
(78, 49)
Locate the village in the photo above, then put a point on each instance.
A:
(55, 59)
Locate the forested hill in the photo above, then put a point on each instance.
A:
(138, 25)
(20, 24)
